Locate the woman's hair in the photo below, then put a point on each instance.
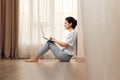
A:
(71, 20)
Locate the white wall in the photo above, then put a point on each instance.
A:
(101, 30)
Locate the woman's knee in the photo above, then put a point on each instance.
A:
(49, 41)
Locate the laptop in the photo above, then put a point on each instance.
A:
(43, 35)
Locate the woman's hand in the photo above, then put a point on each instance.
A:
(53, 39)
(58, 42)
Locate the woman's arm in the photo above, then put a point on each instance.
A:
(59, 42)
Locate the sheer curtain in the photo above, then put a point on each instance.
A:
(48, 13)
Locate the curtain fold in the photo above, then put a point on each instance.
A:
(9, 12)
(80, 45)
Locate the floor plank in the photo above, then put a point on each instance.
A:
(45, 69)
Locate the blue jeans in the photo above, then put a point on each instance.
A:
(57, 52)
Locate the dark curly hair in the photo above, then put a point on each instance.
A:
(71, 20)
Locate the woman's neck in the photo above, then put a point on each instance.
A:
(70, 29)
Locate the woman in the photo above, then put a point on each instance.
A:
(69, 44)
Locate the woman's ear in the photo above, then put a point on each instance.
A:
(70, 24)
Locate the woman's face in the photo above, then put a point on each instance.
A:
(67, 25)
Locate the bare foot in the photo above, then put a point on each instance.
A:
(33, 59)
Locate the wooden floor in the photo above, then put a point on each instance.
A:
(45, 69)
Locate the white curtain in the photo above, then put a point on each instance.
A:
(48, 13)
